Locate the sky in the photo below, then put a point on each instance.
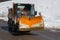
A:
(50, 9)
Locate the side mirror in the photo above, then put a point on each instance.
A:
(40, 13)
(35, 12)
(10, 9)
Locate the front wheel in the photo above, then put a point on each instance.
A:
(12, 27)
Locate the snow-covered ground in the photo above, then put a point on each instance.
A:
(50, 10)
(4, 18)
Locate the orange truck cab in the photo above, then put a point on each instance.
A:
(22, 17)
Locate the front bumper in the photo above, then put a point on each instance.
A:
(31, 29)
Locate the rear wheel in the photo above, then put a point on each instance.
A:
(12, 27)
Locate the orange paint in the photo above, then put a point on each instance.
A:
(31, 21)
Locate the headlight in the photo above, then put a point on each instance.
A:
(23, 26)
(38, 25)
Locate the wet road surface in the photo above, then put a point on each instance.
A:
(33, 35)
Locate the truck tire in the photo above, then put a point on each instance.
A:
(9, 25)
(12, 27)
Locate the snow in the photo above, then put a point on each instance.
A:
(50, 10)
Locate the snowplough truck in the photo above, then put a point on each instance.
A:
(22, 17)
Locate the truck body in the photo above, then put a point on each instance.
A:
(22, 18)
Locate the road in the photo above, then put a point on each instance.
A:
(33, 35)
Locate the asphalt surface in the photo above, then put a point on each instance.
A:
(33, 35)
(4, 0)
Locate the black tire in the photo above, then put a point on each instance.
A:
(9, 25)
(12, 27)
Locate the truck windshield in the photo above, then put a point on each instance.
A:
(26, 10)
